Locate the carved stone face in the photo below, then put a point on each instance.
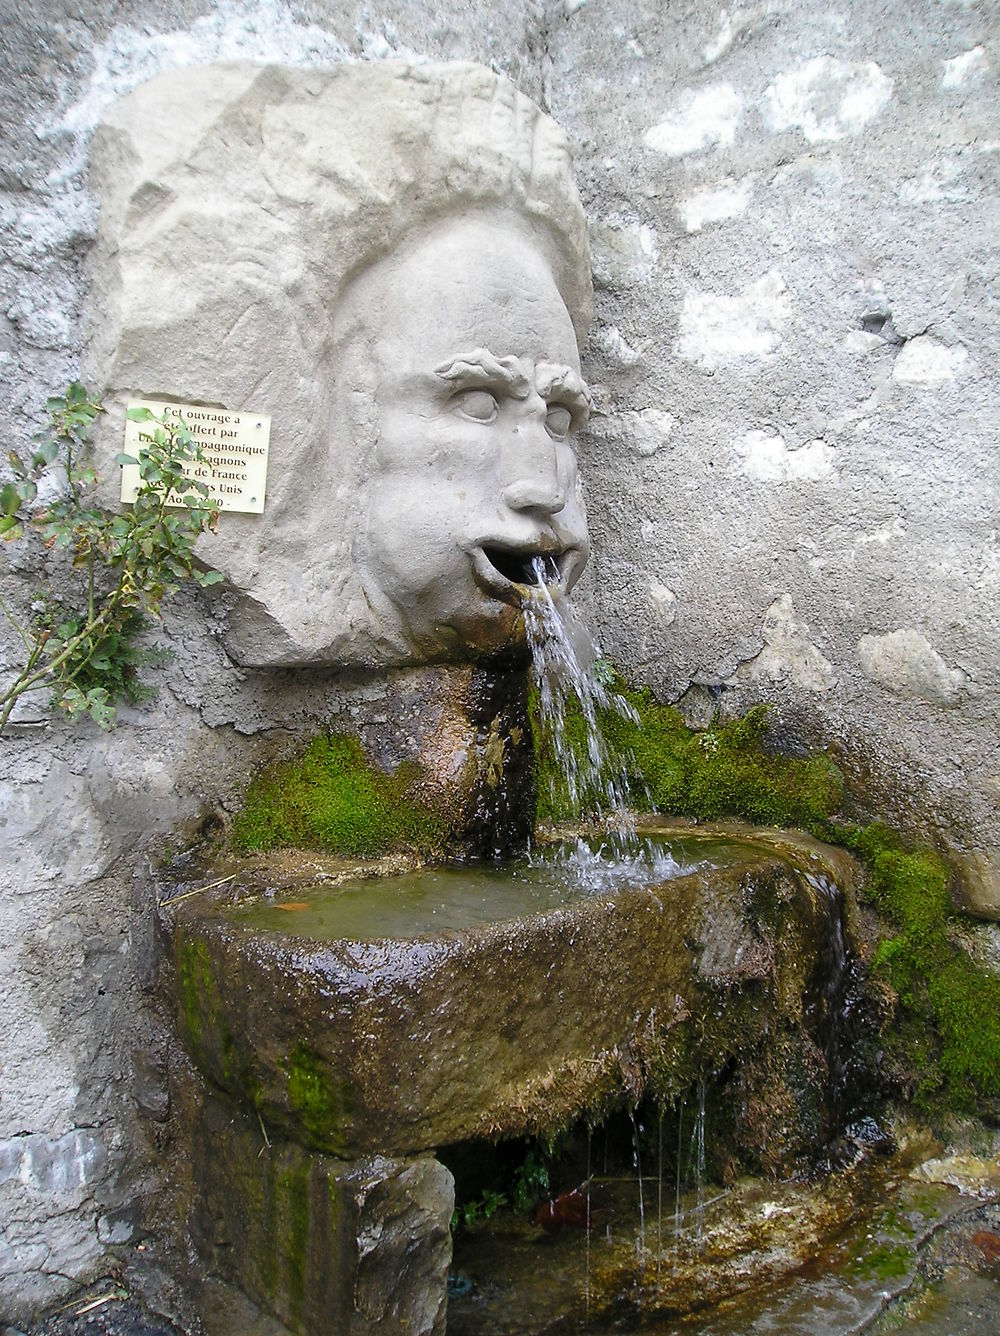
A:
(473, 477)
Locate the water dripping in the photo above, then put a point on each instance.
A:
(698, 1159)
(832, 992)
(637, 1165)
(659, 1194)
(587, 1291)
(678, 1213)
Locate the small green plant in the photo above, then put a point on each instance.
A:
(531, 1181)
(82, 648)
(485, 1207)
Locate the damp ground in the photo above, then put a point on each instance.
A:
(869, 1249)
(924, 1257)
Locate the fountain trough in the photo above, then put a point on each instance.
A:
(346, 1028)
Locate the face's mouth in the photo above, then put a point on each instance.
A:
(510, 573)
(526, 568)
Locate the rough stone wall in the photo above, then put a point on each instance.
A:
(793, 220)
(791, 475)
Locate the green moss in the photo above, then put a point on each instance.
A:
(332, 798)
(196, 987)
(884, 1261)
(314, 1095)
(724, 771)
(947, 1031)
(294, 1187)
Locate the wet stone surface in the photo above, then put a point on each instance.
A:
(144, 1301)
(94, 1313)
(867, 1250)
(431, 1035)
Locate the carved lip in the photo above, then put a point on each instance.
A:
(508, 570)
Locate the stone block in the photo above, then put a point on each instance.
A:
(421, 1038)
(354, 1247)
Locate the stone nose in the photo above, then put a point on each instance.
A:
(530, 478)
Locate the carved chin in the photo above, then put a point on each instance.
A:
(493, 628)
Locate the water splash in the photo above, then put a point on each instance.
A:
(604, 866)
(564, 660)
(567, 671)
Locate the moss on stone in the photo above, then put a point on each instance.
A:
(944, 1042)
(196, 988)
(724, 771)
(293, 1182)
(333, 798)
(315, 1097)
(946, 1039)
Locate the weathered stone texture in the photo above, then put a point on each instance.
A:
(407, 1042)
(358, 1247)
(791, 233)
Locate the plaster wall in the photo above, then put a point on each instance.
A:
(793, 212)
(791, 472)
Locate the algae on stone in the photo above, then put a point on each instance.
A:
(334, 798)
(723, 771)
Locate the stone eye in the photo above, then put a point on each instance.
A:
(479, 405)
(558, 420)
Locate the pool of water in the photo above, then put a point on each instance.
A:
(453, 897)
(869, 1251)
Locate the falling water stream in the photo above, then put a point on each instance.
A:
(569, 675)
(565, 669)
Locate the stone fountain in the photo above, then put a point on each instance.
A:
(391, 262)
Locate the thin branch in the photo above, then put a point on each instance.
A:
(209, 886)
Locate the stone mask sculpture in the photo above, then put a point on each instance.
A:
(472, 473)
(391, 261)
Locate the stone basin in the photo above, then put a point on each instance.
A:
(365, 1017)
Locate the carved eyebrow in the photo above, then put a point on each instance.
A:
(554, 379)
(481, 369)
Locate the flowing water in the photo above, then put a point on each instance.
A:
(573, 683)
